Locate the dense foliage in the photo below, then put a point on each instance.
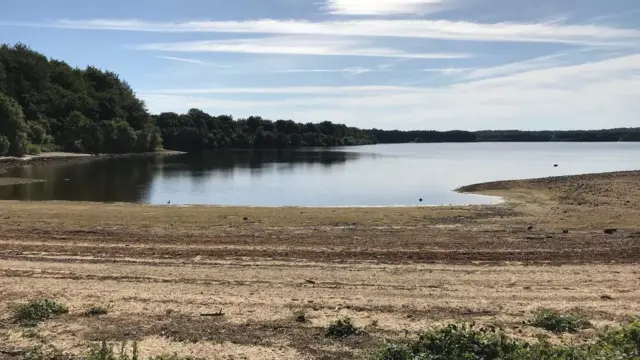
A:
(48, 104)
(430, 136)
(197, 130)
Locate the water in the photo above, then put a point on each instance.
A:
(380, 175)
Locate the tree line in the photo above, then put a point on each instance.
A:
(46, 104)
(431, 136)
(197, 130)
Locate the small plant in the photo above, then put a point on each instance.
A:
(342, 328)
(300, 317)
(556, 322)
(96, 311)
(36, 311)
(105, 352)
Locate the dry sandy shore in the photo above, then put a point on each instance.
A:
(390, 269)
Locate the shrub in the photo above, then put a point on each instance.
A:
(463, 342)
(96, 311)
(488, 343)
(32, 313)
(342, 328)
(33, 149)
(556, 322)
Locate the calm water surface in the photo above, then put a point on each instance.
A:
(369, 175)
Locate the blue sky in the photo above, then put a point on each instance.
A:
(406, 64)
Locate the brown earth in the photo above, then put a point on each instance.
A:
(392, 270)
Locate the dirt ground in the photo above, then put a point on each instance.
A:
(157, 269)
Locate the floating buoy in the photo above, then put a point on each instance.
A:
(420, 200)
(555, 165)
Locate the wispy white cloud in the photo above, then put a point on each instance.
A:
(381, 7)
(356, 70)
(191, 61)
(292, 45)
(449, 71)
(550, 32)
(542, 62)
(596, 94)
(310, 90)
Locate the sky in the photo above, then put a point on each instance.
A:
(392, 64)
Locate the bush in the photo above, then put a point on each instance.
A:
(342, 328)
(32, 313)
(556, 322)
(96, 311)
(33, 149)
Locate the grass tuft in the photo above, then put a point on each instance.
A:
(556, 322)
(342, 328)
(32, 313)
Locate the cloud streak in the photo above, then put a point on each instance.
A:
(179, 59)
(350, 70)
(550, 32)
(295, 46)
(381, 7)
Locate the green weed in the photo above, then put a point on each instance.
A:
(556, 322)
(489, 343)
(341, 328)
(32, 313)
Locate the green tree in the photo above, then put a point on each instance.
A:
(4, 145)
(13, 125)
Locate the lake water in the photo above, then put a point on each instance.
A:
(378, 175)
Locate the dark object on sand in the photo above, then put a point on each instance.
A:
(219, 313)
(610, 231)
(246, 218)
(530, 227)
(565, 231)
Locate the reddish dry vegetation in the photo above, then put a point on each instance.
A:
(157, 269)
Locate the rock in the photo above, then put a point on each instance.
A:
(565, 231)
(530, 227)
(310, 281)
(610, 231)
(246, 219)
(606, 297)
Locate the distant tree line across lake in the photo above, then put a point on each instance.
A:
(47, 105)
(430, 136)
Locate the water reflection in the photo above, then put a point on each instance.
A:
(130, 179)
(368, 175)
